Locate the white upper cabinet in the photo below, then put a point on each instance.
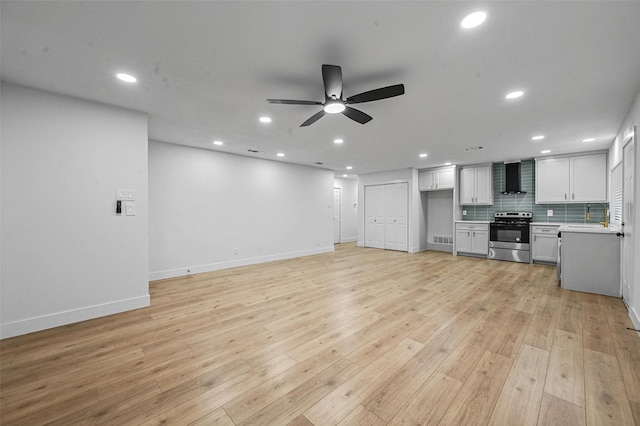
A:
(589, 178)
(577, 179)
(436, 179)
(476, 185)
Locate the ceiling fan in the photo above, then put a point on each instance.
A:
(333, 101)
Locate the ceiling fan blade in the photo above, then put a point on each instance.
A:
(332, 78)
(377, 94)
(313, 119)
(357, 115)
(292, 102)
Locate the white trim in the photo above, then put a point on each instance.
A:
(29, 325)
(349, 240)
(209, 267)
(635, 318)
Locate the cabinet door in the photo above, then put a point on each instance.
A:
(426, 181)
(484, 185)
(480, 242)
(463, 240)
(545, 248)
(552, 180)
(444, 178)
(589, 178)
(467, 185)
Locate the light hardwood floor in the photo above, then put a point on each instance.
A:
(355, 337)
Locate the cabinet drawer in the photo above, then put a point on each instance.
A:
(544, 230)
(472, 226)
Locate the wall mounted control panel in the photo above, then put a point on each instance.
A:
(125, 202)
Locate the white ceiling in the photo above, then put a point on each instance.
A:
(205, 69)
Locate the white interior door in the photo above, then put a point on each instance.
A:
(396, 216)
(627, 220)
(385, 210)
(374, 216)
(336, 215)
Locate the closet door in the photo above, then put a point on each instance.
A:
(374, 232)
(385, 210)
(396, 216)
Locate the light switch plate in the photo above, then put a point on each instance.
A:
(130, 209)
(549, 212)
(464, 212)
(125, 194)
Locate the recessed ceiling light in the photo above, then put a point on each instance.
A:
(265, 119)
(334, 107)
(588, 140)
(219, 143)
(280, 154)
(126, 77)
(537, 138)
(514, 95)
(423, 155)
(345, 175)
(349, 168)
(447, 164)
(472, 20)
(338, 141)
(546, 151)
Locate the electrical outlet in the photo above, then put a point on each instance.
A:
(549, 212)
(464, 212)
(235, 251)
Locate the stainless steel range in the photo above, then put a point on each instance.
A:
(509, 236)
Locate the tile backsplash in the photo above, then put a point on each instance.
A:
(570, 213)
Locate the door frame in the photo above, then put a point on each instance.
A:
(628, 223)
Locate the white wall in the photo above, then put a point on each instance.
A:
(66, 256)
(348, 209)
(414, 209)
(615, 156)
(205, 204)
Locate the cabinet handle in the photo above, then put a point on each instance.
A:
(474, 234)
(534, 237)
(436, 186)
(468, 234)
(565, 196)
(573, 196)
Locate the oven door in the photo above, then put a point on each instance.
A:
(509, 232)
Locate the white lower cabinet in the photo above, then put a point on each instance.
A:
(472, 238)
(544, 243)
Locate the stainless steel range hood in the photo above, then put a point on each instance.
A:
(512, 178)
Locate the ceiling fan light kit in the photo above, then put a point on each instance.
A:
(333, 101)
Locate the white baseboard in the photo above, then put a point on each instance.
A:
(198, 269)
(635, 318)
(56, 319)
(348, 240)
(448, 248)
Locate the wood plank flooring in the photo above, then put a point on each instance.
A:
(356, 337)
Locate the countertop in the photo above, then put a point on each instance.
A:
(473, 221)
(588, 228)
